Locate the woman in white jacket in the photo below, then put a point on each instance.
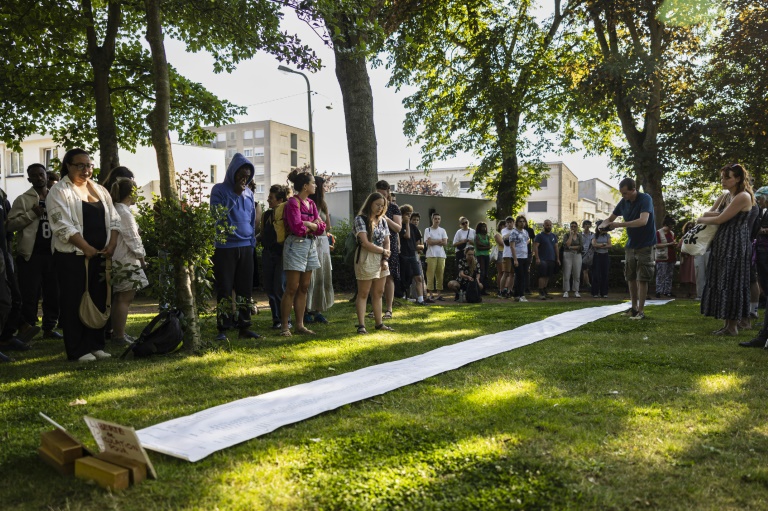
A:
(85, 227)
(128, 261)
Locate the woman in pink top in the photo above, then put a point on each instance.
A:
(302, 225)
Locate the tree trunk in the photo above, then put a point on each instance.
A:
(352, 74)
(649, 175)
(101, 58)
(158, 121)
(507, 127)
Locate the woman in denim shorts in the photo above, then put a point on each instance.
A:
(303, 224)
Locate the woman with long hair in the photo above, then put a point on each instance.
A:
(85, 228)
(469, 271)
(371, 258)
(129, 253)
(303, 225)
(727, 291)
(320, 294)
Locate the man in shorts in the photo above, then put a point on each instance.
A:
(636, 208)
(547, 255)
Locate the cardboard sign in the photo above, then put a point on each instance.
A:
(121, 440)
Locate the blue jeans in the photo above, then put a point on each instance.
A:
(274, 281)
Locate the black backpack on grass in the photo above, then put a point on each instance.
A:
(164, 334)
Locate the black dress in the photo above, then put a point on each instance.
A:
(70, 271)
(726, 294)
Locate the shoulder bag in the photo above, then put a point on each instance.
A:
(90, 315)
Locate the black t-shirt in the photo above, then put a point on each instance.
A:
(43, 238)
(408, 246)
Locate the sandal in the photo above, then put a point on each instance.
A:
(361, 329)
(370, 314)
(285, 333)
(387, 315)
(304, 330)
(385, 327)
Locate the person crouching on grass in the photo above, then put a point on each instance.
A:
(469, 271)
(371, 258)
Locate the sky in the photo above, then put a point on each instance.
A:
(271, 94)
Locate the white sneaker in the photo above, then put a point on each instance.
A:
(576, 295)
(87, 358)
(522, 299)
(100, 354)
(565, 295)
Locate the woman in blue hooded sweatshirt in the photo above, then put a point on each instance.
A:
(233, 259)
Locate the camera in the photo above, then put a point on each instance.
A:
(506, 242)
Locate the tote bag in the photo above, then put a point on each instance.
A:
(661, 254)
(90, 315)
(697, 240)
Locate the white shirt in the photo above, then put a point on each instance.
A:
(507, 246)
(435, 234)
(462, 235)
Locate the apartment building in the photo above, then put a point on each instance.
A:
(563, 198)
(274, 149)
(143, 163)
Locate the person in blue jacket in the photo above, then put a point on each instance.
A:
(233, 259)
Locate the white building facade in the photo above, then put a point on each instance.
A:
(143, 164)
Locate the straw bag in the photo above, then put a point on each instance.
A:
(90, 315)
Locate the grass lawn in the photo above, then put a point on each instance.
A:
(618, 414)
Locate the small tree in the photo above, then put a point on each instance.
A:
(182, 232)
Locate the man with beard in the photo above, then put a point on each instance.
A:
(547, 255)
(637, 210)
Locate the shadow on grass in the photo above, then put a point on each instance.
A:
(623, 414)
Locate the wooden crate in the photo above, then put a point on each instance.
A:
(104, 473)
(61, 446)
(65, 469)
(136, 469)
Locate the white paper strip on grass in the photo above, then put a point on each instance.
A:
(196, 436)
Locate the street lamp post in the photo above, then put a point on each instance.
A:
(309, 113)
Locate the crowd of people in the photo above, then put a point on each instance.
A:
(70, 230)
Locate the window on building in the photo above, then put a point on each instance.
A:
(213, 174)
(14, 162)
(258, 133)
(537, 206)
(231, 136)
(543, 183)
(258, 151)
(258, 170)
(294, 141)
(248, 153)
(231, 153)
(259, 187)
(294, 159)
(393, 187)
(247, 134)
(47, 157)
(221, 137)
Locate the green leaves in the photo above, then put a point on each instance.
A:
(488, 77)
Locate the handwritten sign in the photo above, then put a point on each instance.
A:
(121, 440)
